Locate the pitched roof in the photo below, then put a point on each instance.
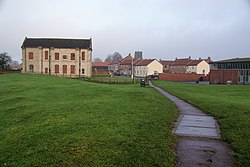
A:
(57, 43)
(100, 64)
(181, 62)
(137, 61)
(166, 62)
(113, 63)
(145, 62)
(194, 62)
(126, 60)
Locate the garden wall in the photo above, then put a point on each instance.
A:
(181, 77)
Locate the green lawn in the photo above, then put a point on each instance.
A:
(52, 121)
(230, 104)
(112, 80)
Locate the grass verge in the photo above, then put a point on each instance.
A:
(52, 121)
(230, 104)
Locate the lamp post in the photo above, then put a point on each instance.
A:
(132, 70)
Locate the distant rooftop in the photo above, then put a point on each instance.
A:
(234, 60)
(100, 64)
(57, 43)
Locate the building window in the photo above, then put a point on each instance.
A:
(83, 71)
(83, 55)
(56, 69)
(30, 55)
(46, 70)
(72, 69)
(46, 55)
(64, 69)
(64, 56)
(73, 56)
(31, 68)
(56, 56)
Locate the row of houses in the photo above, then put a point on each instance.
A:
(145, 67)
(130, 66)
(186, 65)
(73, 58)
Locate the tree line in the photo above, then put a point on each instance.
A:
(110, 58)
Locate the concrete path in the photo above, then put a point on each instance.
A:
(199, 144)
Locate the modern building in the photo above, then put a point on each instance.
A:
(235, 71)
(61, 57)
(147, 67)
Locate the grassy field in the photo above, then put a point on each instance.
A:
(51, 121)
(230, 104)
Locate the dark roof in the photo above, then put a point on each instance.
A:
(57, 43)
(145, 62)
(181, 62)
(234, 60)
(126, 60)
(166, 62)
(194, 62)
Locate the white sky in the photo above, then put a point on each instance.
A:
(162, 29)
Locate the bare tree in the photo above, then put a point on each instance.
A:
(5, 61)
(97, 60)
(108, 59)
(116, 57)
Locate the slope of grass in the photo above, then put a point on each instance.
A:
(230, 104)
(51, 121)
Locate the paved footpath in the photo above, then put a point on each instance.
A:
(199, 144)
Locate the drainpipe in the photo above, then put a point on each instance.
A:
(25, 61)
(79, 63)
(49, 61)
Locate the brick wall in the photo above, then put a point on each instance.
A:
(222, 76)
(181, 77)
(100, 73)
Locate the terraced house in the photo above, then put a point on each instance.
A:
(61, 57)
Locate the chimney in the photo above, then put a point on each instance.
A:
(199, 58)
(189, 57)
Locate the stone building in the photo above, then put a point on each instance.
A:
(61, 57)
(138, 55)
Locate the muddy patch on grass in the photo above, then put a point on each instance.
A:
(205, 152)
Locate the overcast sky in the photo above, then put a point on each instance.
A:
(162, 29)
